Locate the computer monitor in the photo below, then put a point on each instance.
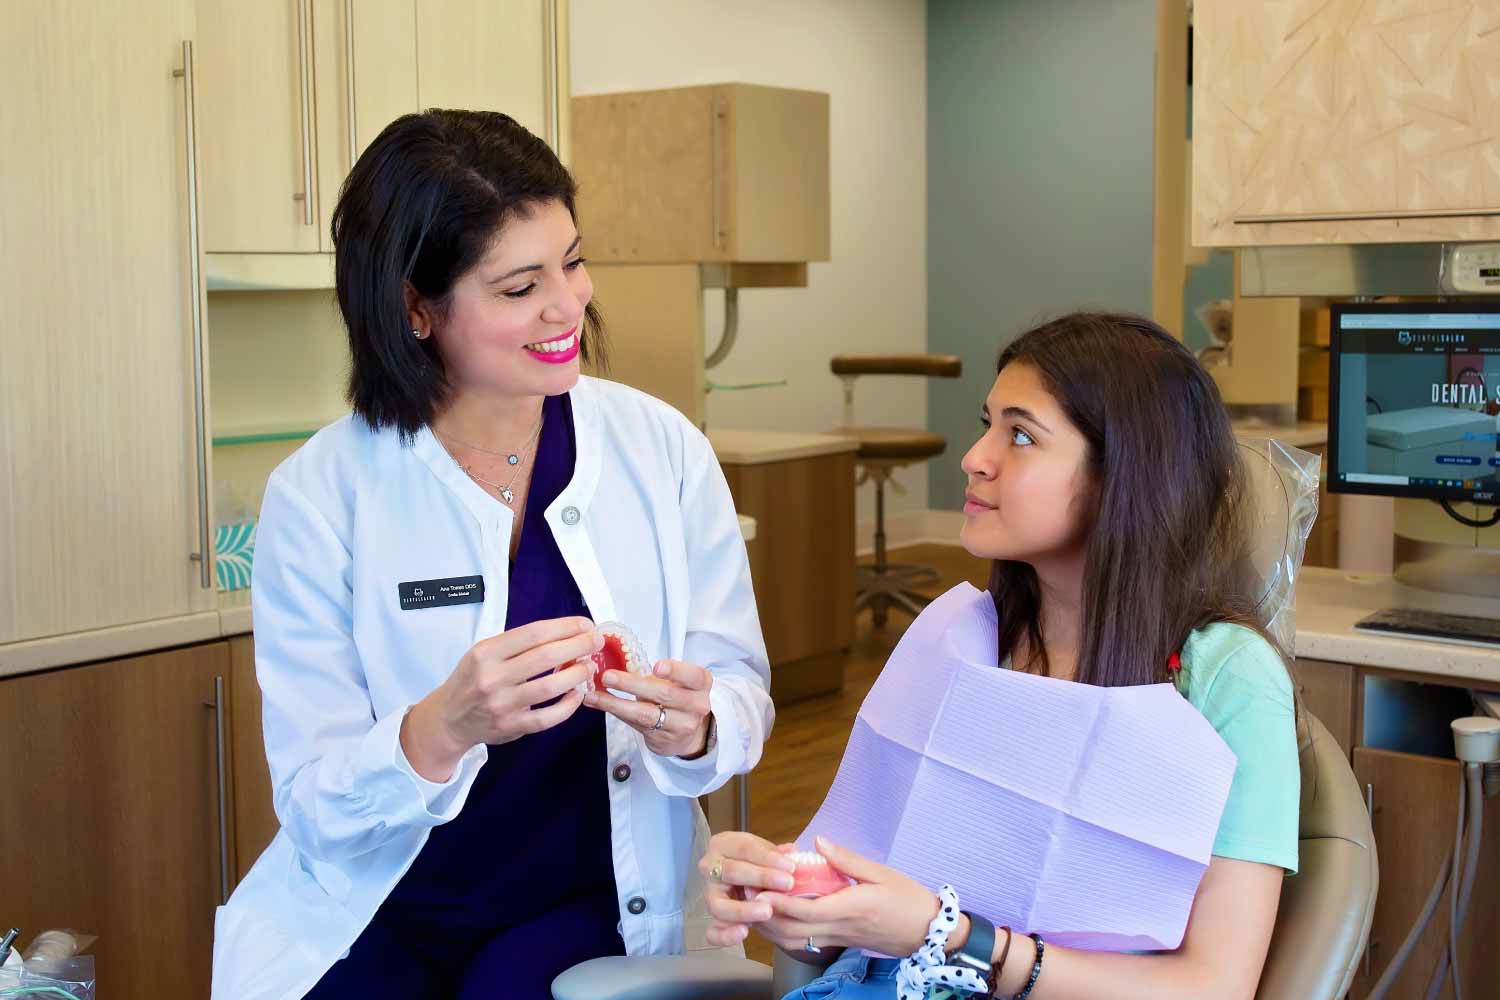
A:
(1414, 400)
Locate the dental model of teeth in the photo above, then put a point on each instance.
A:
(814, 876)
(555, 346)
(622, 651)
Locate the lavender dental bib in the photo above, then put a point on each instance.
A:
(1084, 814)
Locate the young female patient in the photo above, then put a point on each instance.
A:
(1107, 489)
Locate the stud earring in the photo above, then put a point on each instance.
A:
(417, 334)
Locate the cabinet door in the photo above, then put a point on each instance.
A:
(111, 817)
(1416, 808)
(804, 524)
(492, 55)
(255, 822)
(97, 458)
(256, 136)
(1308, 109)
(1327, 691)
(365, 61)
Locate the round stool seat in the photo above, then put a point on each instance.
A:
(897, 444)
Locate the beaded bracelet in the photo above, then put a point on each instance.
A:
(1036, 969)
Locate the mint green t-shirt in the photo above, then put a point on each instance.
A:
(1237, 680)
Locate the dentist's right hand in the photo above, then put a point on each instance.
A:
(499, 692)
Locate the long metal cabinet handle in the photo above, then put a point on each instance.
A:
(1436, 213)
(304, 58)
(222, 763)
(553, 70)
(716, 139)
(349, 80)
(205, 554)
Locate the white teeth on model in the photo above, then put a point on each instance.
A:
(800, 858)
(553, 346)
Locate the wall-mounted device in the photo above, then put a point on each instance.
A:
(1471, 268)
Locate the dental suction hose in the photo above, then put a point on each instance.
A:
(1477, 742)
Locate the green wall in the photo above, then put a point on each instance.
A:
(1039, 183)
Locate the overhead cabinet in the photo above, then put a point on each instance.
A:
(293, 90)
(723, 173)
(1344, 122)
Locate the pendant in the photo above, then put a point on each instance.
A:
(512, 459)
(507, 495)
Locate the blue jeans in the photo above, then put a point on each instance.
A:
(852, 977)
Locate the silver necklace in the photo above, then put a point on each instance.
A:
(511, 457)
(506, 491)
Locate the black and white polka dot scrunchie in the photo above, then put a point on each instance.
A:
(924, 968)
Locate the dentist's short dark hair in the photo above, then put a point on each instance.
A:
(423, 205)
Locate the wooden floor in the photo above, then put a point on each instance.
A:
(807, 744)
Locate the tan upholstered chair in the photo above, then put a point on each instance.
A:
(1323, 922)
(1321, 926)
(882, 450)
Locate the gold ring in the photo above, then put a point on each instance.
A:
(716, 870)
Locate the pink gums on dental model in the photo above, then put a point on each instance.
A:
(622, 651)
(814, 876)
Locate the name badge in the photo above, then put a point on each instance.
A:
(419, 594)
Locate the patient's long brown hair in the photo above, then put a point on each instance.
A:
(1167, 552)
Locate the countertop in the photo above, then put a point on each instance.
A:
(229, 617)
(740, 447)
(1330, 601)
(1304, 434)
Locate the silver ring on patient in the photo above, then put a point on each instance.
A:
(716, 870)
(661, 720)
(812, 947)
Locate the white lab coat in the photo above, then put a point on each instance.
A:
(648, 530)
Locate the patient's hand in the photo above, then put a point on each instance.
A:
(883, 911)
(734, 867)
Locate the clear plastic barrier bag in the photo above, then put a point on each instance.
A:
(1282, 490)
(50, 968)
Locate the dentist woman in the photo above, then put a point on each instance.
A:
(457, 819)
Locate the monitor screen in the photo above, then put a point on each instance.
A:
(1414, 400)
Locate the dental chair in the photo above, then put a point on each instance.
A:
(1321, 926)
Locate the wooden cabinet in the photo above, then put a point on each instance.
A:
(100, 470)
(1327, 691)
(365, 74)
(293, 90)
(729, 172)
(255, 822)
(111, 815)
(1416, 808)
(496, 56)
(1344, 122)
(257, 129)
(803, 567)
